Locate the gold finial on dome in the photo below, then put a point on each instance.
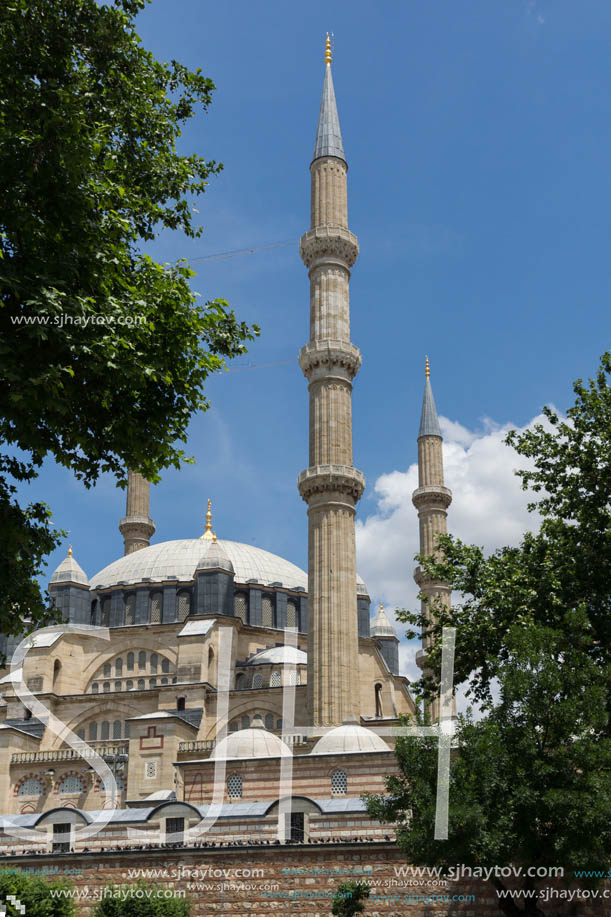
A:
(427, 368)
(381, 607)
(208, 532)
(328, 55)
(214, 541)
(69, 550)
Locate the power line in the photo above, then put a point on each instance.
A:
(234, 253)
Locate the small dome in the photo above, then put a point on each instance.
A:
(255, 742)
(69, 571)
(381, 626)
(215, 558)
(278, 655)
(345, 740)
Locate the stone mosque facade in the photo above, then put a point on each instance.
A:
(215, 652)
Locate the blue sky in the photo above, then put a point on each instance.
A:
(478, 140)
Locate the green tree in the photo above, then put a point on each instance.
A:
(140, 900)
(35, 895)
(530, 782)
(349, 897)
(103, 352)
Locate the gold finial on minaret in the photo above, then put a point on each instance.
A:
(208, 533)
(328, 56)
(427, 368)
(69, 550)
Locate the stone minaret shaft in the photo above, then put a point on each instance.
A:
(136, 526)
(432, 500)
(331, 486)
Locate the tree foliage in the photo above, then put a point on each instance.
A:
(531, 781)
(349, 898)
(103, 352)
(35, 895)
(140, 900)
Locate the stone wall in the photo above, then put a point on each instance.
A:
(253, 880)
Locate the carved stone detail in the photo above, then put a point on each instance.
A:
(328, 479)
(329, 241)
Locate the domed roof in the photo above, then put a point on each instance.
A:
(251, 743)
(69, 571)
(278, 655)
(345, 740)
(179, 559)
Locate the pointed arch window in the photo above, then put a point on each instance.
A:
(93, 732)
(118, 667)
(276, 679)
(105, 733)
(267, 611)
(142, 660)
(154, 661)
(165, 665)
(116, 729)
(257, 680)
(130, 662)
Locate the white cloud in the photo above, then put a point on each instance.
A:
(488, 509)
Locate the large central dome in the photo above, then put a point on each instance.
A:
(177, 560)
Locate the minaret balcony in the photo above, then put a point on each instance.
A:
(320, 359)
(432, 497)
(330, 241)
(329, 479)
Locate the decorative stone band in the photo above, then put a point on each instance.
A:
(432, 496)
(137, 530)
(329, 479)
(324, 358)
(329, 241)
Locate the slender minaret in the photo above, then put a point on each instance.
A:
(431, 499)
(331, 486)
(136, 526)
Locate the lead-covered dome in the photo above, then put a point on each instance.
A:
(346, 740)
(255, 742)
(278, 655)
(178, 560)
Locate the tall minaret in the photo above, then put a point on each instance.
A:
(431, 499)
(136, 526)
(331, 486)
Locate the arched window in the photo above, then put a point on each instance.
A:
(180, 703)
(118, 667)
(116, 729)
(81, 734)
(234, 787)
(107, 670)
(105, 734)
(279, 724)
(31, 787)
(130, 662)
(165, 665)
(130, 609)
(257, 680)
(141, 684)
(106, 687)
(234, 726)
(184, 604)
(378, 690)
(93, 614)
(129, 685)
(141, 660)
(154, 661)
(276, 679)
(126, 730)
(339, 783)
(245, 721)
(240, 681)
(291, 614)
(106, 611)
(269, 720)
(117, 685)
(152, 682)
(95, 688)
(156, 607)
(71, 784)
(93, 732)
(164, 681)
(240, 606)
(267, 611)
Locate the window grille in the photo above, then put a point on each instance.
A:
(116, 729)
(240, 681)
(105, 612)
(93, 618)
(107, 670)
(276, 680)
(71, 784)
(106, 687)
(234, 726)
(62, 835)
(297, 827)
(240, 606)
(291, 614)
(118, 667)
(152, 682)
(141, 684)
(184, 604)
(130, 609)
(164, 681)
(339, 783)
(293, 678)
(269, 720)
(117, 685)
(174, 830)
(95, 688)
(234, 787)
(154, 660)
(81, 734)
(31, 787)
(156, 607)
(245, 721)
(142, 660)
(105, 730)
(126, 731)
(165, 665)
(279, 724)
(257, 680)
(129, 685)
(267, 611)
(93, 732)
(130, 662)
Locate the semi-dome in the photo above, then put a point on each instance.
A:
(178, 560)
(255, 742)
(278, 655)
(346, 740)
(69, 571)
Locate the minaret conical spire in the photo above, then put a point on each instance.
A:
(328, 133)
(429, 423)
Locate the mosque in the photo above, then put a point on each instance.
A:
(204, 675)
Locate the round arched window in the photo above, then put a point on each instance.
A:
(31, 787)
(71, 784)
